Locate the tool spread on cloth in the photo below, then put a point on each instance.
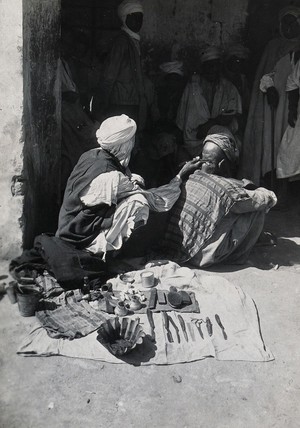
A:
(209, 326)
(182, 325)
(191, 331)
(167, 326)
(175, 327)
(217, 296)
(197, 323)
(161, 297)
(152, 298)
(221, 326)
(152, 325)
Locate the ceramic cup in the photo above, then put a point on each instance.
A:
(121, 309)
(147, 279)
(135, 303)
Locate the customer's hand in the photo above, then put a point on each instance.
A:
(190, 167)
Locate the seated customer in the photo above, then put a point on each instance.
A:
(103, 201)
(217, 219)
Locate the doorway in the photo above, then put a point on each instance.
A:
(43, 25)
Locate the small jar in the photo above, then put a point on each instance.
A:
(11, 292)
(121, 309)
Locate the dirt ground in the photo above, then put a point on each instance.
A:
(64, 392)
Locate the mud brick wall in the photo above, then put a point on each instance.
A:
(11, 139)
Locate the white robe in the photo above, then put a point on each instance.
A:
(288, 159)
(194, 110)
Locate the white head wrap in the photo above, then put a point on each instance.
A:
(172, 67)
(289, 10)
(211, 53)
(117, 135)
(115, 130)
(129, 6)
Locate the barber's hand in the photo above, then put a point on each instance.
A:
(137, 179)
(190, 167)
(272, 97)
(292, 117)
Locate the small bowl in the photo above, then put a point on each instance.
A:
(127, 278)
(120, 335)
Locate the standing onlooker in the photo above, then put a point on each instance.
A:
(288, 159)
(78, 129)
(235, 63)
(121, 90)
(269, 93)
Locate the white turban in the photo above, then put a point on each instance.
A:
(172, 67)
(115, 131)
(211, 53)
(117, 135)
(129, 6)
(289, 10)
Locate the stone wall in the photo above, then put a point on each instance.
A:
(183, 28)
(11, 140)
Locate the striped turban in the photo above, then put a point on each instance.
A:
(224, 139)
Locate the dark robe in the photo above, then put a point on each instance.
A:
(78, 224)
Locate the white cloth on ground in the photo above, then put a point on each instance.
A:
(215, 295)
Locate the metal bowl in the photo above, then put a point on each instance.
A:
(120, 335)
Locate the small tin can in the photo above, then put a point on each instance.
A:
(148, 279)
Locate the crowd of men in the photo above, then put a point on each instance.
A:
(196, 140)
